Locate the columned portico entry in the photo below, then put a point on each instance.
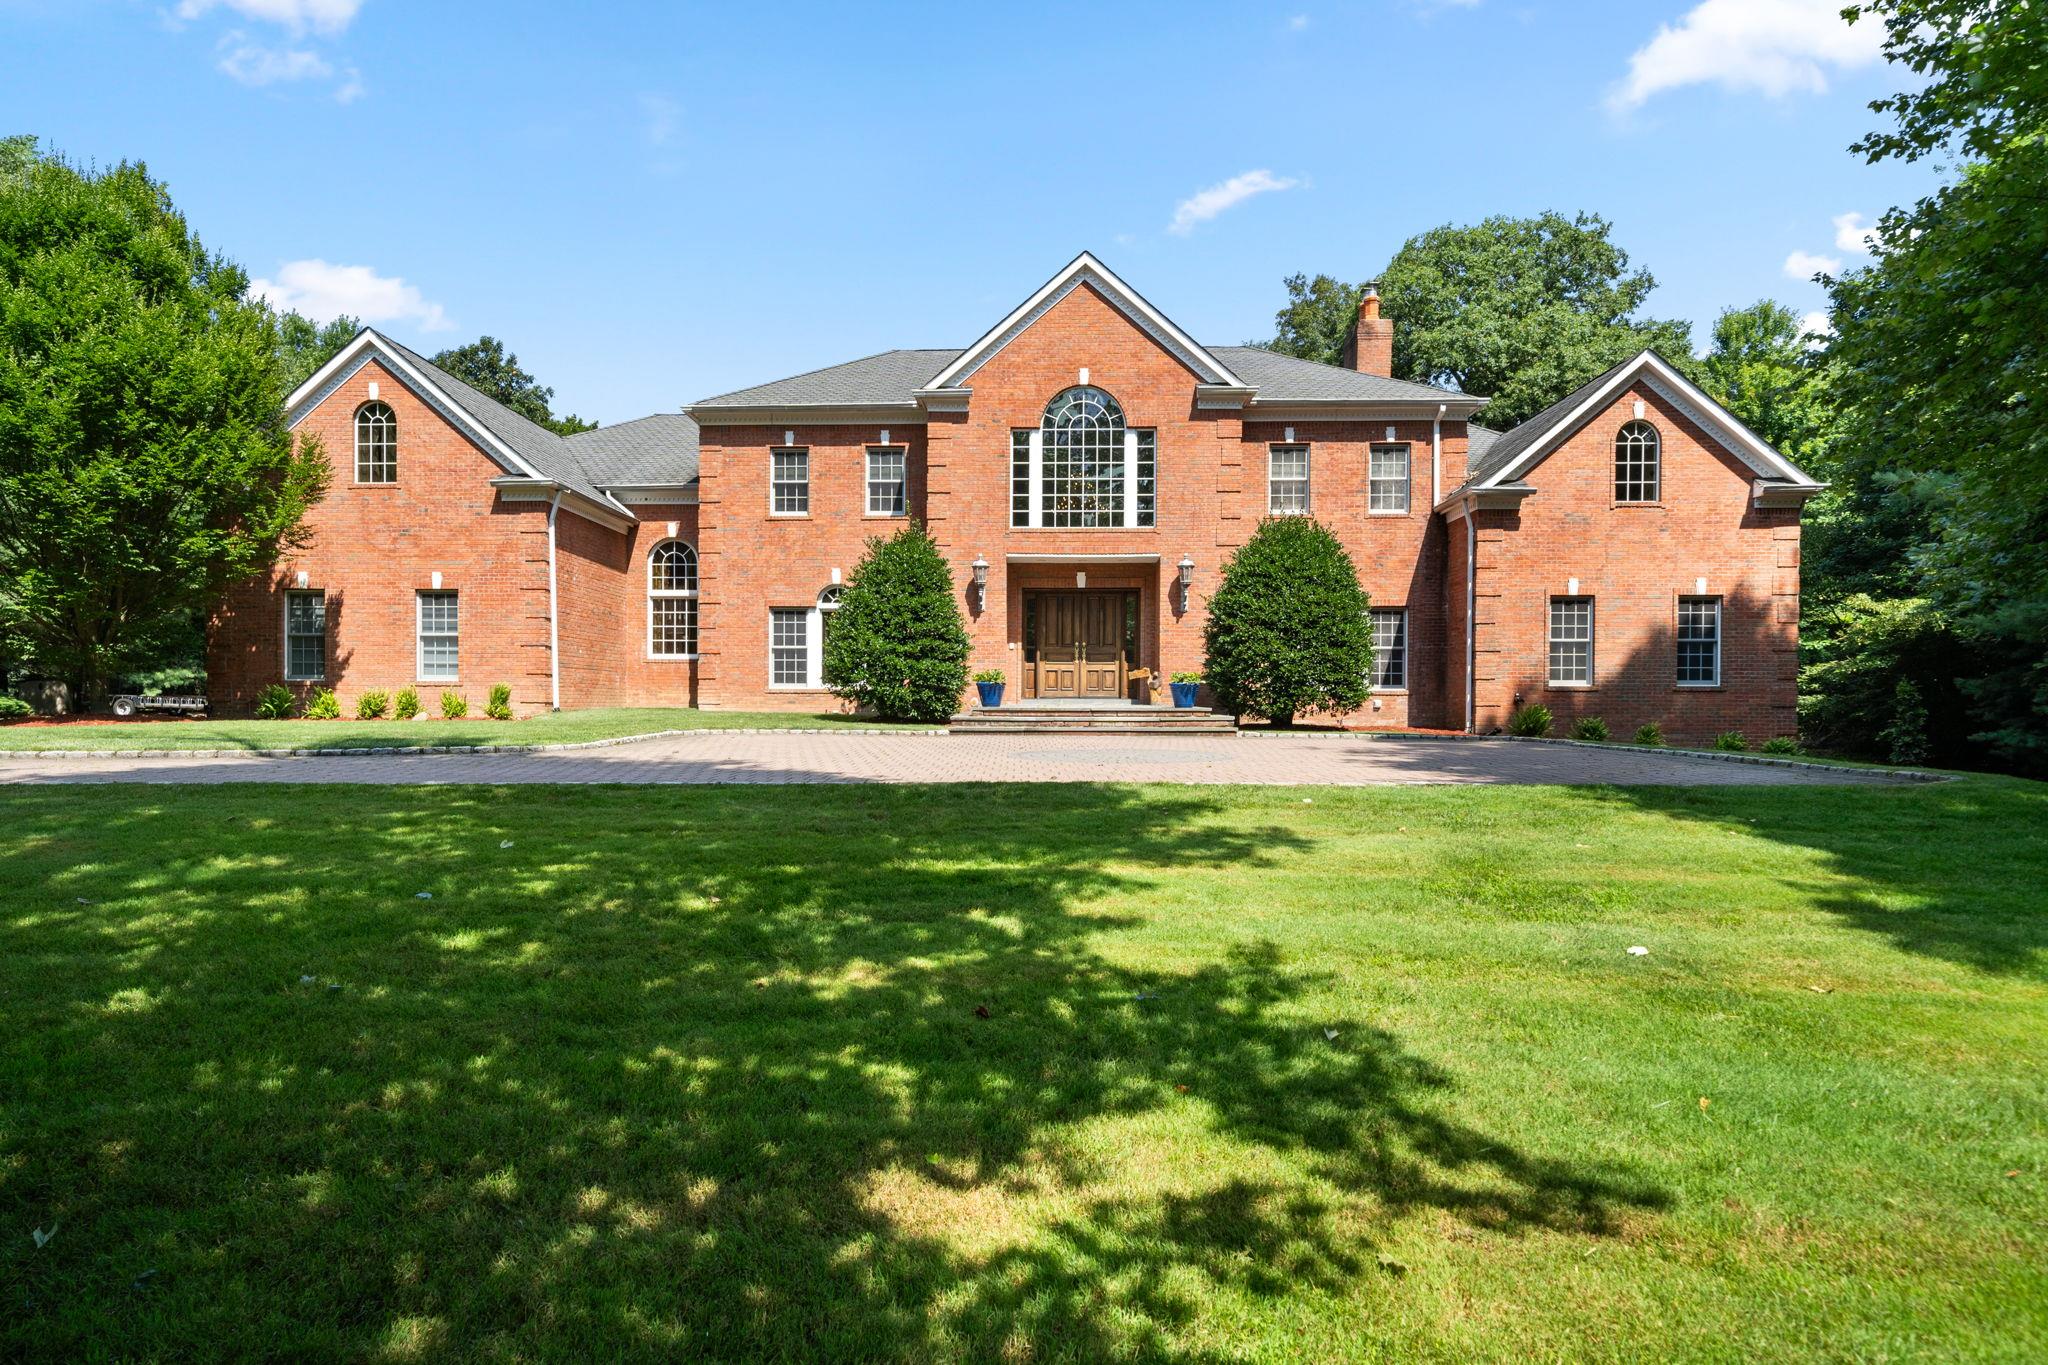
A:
(1080, 644)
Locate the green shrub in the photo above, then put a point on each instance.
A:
(1187, 677)
(1531, 721)
(1289, 631)
(1781, 744)
(1733, 742)
(897, 647)
(991, 675)
(275, 702)
(14, 708)
(408, 704)
(454, 706)
(372, 705)
(499, 707)
(1650, 736)
(1905, 736)
(1591, 729)
(322, 705)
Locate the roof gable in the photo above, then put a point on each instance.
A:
(1084, 269)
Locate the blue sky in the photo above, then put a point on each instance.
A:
(652, 203)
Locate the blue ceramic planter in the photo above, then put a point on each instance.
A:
(1184, 694)
(991, 693)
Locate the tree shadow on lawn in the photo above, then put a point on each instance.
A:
(1948, 870)
(695, 1072)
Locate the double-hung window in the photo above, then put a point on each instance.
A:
(1699, 642)
(1083, 468)
(789, 646)
(305, 636)
(1287, 481)
(1571, 642)
(886, 481)
(1389, 649)
(789, 482)
(1388, 480)
(439, 637)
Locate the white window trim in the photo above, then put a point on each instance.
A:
(1307, 479)
(419, 636)
(1407, 653)
(290, 593)
(1701, 686)
(1407, 484)
(356, 447)
(1591, 641)
(1034, 512)
(868, 484)
(805, 451)
(690, 593)
(814, 644)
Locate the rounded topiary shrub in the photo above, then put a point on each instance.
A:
(896, 646)
(1289, 633)
(14, 708)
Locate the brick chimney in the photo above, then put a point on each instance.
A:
(1370, 349)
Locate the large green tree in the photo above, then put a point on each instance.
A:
(305, 345)
(896, 645)
(1522, 310)
(485, 365)
(144, 461)
(1289, 630)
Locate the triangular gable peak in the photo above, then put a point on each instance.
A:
(1084, 269)
(368, 346)
(1663, 379)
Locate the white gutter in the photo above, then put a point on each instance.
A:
(1436, 456)
(1471, 611)
(554, 635)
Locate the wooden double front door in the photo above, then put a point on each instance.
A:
(1082, 644)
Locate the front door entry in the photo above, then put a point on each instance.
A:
(1082, 641)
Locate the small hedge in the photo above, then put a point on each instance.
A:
(372, 705)
(1590, 729)
(454, 706)
(499, 707)
(1530, 722)
(275, 702)
(322, 705)
(1733, 742)
(14, 708)
(1782, 744)
(408, 704)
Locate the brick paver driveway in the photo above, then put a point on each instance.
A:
(808, 756)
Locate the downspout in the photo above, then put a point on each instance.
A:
(1436, 456)
(1471, 613)
(554, 634)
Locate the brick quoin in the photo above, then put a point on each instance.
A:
(372, 547)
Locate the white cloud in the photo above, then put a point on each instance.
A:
(322, 16)
(351, 88)
(1206, 204)
(1815, 327)
(1297, 23)
(322, 291)
(1854, 235)
(1804, 265)
(1773, 47)
(254, 64)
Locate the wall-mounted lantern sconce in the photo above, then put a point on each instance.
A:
(1187, 580)
(980, 567)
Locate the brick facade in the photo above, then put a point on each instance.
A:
(1486, 569)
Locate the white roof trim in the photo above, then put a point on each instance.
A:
(1085, 269)
(1682, 393)
(352, 357)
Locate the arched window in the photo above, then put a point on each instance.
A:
(376, 444)
(1636, 473)
(672, 601)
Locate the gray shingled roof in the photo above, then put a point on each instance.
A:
(893, 376)
(1509, 445)
(1478, 441)
(657, 449)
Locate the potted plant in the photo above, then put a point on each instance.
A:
(989, 682)
(1185, 685)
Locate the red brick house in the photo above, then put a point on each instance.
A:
(1087, 467)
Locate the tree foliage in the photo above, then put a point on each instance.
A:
(305, 345)
(896, 646)
(1761, 369)
(1317, 321)
(144, 461)
(1289, 631)
(486, 366)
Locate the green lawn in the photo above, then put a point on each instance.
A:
(561, 727)
(1057, 1072)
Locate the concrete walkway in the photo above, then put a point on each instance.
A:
(811, 756)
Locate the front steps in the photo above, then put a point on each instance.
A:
(1027, 718)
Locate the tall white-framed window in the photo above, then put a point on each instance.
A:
(672, 601)
(1287, 481)
(789, 482)
(789, 646)
(305, 636)
(1638, 473)
(1387, 480)
(376, 444)
(1699, 642)
(1082, 467)
(1390, 649)
(888, 481)
(440, 636)
(1571, 642)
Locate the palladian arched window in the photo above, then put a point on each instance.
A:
(672, 601)
(1637, 476)
(1082, 466)
(376, 444)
